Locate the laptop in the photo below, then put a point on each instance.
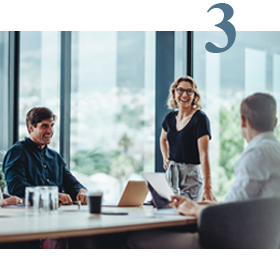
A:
(160, 191)
(134, 194)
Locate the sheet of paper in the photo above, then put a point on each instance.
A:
(159, 183)
(169, 212)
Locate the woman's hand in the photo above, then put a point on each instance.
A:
(208, 195)
(164, 149)
(165, 164)
(13, 200)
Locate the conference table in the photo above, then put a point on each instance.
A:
(71, 221)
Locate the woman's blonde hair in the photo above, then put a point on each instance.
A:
(172, 104)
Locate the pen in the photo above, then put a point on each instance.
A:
(114, 213)
(78, 203)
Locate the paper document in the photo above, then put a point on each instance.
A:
(159, 183)
(169, 211)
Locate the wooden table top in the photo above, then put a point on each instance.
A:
(70, 221)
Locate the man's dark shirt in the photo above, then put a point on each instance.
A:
(25, 164)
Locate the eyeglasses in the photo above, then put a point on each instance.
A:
(189, 91)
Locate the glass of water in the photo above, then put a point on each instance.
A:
(1, 194)
(32, 196)
(44, 203)
(53, 199)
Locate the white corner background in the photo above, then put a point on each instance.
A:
(131, 15)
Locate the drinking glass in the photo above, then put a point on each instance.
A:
(32, 197)
(53, 199)
(44, 203)
(1, 194)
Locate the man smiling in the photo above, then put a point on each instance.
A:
(31, 163)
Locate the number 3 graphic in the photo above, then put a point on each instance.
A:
(226, 26)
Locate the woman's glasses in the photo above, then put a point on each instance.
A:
(189, 91)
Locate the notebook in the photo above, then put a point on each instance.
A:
(160, 191)
(134, 194)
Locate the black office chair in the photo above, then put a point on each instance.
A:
(252, 224)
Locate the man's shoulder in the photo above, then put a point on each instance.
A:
(15, 153)
(18, 146)
(268, 147)
(261, 155)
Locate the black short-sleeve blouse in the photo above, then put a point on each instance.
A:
(183, 146)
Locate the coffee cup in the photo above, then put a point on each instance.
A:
(94, 202)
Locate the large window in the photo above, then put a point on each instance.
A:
(112, 108)
(39, 76)
(251, 65)
(113, 102)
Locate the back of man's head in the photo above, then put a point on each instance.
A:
(260, 111)
(38, 114)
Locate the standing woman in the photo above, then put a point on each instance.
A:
(184, 142)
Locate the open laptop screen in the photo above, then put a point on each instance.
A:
(159, 201)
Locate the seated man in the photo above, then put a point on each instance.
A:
(257, 173)
(31, 163)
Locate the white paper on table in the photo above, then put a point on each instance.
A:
(159, 183)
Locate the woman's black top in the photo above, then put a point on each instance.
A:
(183, 146)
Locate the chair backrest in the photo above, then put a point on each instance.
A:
(241, 225)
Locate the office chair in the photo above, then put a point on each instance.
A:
(252, 224)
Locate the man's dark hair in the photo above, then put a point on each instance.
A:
(38, 114)
(260, 111)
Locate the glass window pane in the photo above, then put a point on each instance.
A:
(251, 65)
(4, 76)
(39, 76)
(112, 108)
(180, 65)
